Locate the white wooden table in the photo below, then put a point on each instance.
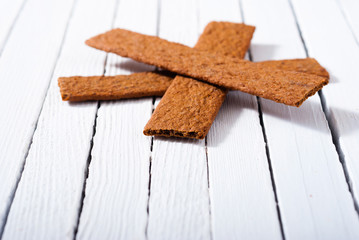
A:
(265, 170)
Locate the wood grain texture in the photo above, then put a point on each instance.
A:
(115, 206)
(242, 199)
(312, 191)
(23, 86)
(48, 198)
(9, 12)
(313, 196)
(179, 204)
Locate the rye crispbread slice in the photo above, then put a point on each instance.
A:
(152, 84)
(136, 85)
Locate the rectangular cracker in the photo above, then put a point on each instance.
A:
(187, 109)
(287, 87)
(136, 85)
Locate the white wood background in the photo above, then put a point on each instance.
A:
(265, 170)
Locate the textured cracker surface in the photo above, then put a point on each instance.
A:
(287, 87)
(189, 107)
(135, 85)
(305, 65)
(149, 84)
(226, 39)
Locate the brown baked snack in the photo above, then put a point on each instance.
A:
(287, 87)
(149, 84)
(136, 85)
(187, 109)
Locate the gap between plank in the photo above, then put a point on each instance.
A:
(332, 129)
(335, 139)
(260, 115)
(152, 138)
(87, 167)
(11, 28)
(86, 173)
(149, 183)
(198, 12)
(89, 157)
(13, 194)
(347, 21)
(149, 173)
(209, 196)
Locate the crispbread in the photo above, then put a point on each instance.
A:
(136, 85)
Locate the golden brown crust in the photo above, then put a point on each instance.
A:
(187, 109)
(287, 87)
(226, 39)
(115, 87)
(305, 65)
(149, 84)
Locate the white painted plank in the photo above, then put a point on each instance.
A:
(179, 204)
(47, 201)
(313, 195)
(340, 54)
(9, 11)
(242, 199)
(115, 206)
(350, 10)
(26, 66)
